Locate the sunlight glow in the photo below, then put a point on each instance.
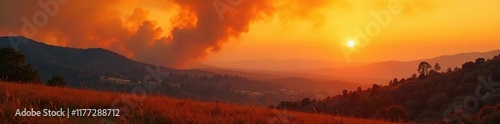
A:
(351, 43)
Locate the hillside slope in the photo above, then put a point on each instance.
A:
(387, 69)
(449, 96)
(82, 65)
(143, 109)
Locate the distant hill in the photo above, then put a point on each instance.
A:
(362, 73)
(279, 65)
(322, 88)
(273, 75)
(83, 65)
(397, 69)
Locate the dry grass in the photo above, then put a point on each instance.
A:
(150, 109)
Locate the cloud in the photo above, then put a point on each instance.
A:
(198, 27)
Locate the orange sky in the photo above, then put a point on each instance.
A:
(175, 32)
(424, 29)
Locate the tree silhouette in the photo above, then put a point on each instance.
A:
(489, 115)
(12, 67)
(437, 67)
(375, 87)
(438, 100)
(480, 60)
(57, 81)
(395, 81)
(449, 70)
(414, 76)
(421, 76)
(468, 65)
(393, 113)
(305, 101)
(423, 68)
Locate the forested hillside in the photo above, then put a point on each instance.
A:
(432, 95)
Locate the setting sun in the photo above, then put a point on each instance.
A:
(351, 43)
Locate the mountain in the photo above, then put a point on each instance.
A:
(361, 73)
(398, 69)
(83, 65)
(321, 88)
(276, 74)
(279, 65)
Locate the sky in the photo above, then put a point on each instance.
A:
(175, 33)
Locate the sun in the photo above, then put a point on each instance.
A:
(351, 43)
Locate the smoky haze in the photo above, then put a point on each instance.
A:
(197, 27)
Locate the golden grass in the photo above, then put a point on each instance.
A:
(150, 109)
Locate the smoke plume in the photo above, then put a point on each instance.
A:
(196, 29)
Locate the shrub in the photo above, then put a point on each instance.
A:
(392, 113)
(57, 81)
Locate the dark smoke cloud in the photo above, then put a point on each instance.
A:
(199, 27)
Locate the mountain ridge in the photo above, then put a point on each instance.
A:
(83, 65)
(104, 70)
(403, 69)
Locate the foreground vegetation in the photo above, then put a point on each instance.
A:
(149, 109)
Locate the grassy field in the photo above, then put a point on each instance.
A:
(146, 109)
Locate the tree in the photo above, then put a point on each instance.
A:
(448, 70)
(57, 81)
(423, 68)
(421, 76)
(468, 65)
(403, 80)
(397, 113)
(394, 113)
(305, 101)
(344, 93)
(12, 67)
(437, 67)
(489, 115)
(438, 100)
(375, 87)
(480, 60)
(433, 72)
(395, 81)
(359, 89)
(414, 76)
(30, 74)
